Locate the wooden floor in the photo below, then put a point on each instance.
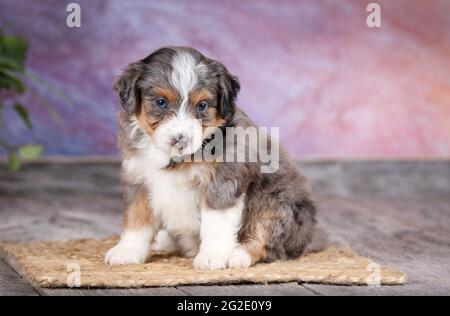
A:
(397, 213)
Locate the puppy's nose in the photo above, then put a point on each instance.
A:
(175, 139)
(179, 141)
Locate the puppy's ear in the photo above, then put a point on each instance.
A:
(126, 88)
(229, 87)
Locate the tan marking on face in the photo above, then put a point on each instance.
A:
(147, 122)
(213, 120)
(139, 213)
(172, 96)
(211, 117)
(149, 117)
(195, 97)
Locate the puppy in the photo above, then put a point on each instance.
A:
(223, 212)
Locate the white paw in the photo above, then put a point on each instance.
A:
(124, 253)
(240, 258)
(211, 260)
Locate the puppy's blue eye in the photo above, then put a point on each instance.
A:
(202, 106)
(161, 103)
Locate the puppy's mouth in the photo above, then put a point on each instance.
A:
(192, 156)
(177, 153)
(183, 147)
(180, 145)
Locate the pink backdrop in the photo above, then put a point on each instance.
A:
(335, 87)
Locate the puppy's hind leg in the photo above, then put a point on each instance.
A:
(183, 244)
(279, 232)
(189, 244)
(251, 249)
(139, 232)
(165, 243)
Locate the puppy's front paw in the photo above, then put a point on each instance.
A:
(124, 253)
(240, 258)
(211, 260)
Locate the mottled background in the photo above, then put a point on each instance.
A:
(335, 87)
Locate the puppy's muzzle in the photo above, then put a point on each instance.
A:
(179, 141)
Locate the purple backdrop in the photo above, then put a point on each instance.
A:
(335, 87)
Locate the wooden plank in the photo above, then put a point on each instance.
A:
(410, 234)
(343, 178)
(282, 289)
(385, 178)
(65, 217)
(395, 290)
(154, 291)
(397, 213)
(11, 284)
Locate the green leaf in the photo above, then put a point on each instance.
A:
(10, 81)
(9, 63)
(15, 48)
(29, 152)
(23, 114)
(13, 161)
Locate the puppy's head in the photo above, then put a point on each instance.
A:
(175, 94)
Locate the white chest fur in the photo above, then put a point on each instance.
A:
(175, 201)
(171, 195)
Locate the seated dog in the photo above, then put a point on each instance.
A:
(225, 212)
